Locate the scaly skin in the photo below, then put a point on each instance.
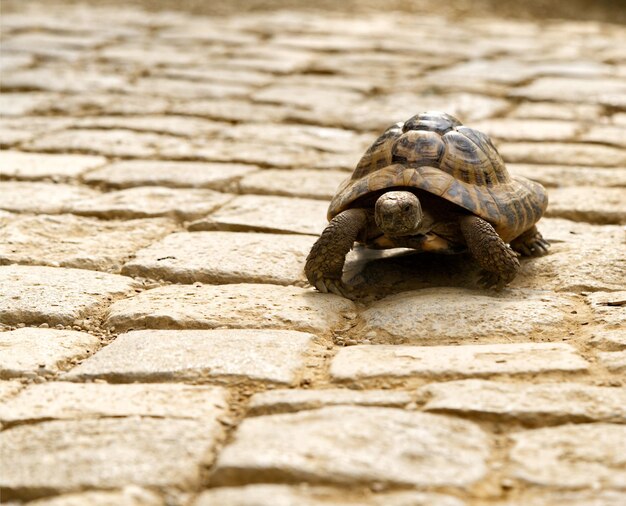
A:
(324, 265)
(531, 243)
(490, 251)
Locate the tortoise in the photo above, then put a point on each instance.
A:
(433, 185)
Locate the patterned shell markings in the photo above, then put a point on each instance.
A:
(434, 152)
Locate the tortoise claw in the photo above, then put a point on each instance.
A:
(336, 286)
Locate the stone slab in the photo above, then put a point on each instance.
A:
(72, 241)
(234, 355)
(105, 453)
(609, 339)
(533, 404)
(571, 456)
(552, 176)
(365, 362)
(128, 496)
(224, 257)
(267, 214)
(465, 315)
(22, 165)
(582, 203)
(237, 305)
(9, 388)
(33, 351)
(66, 401)
(569, 498)
(556, 110)
(289, 400)
(355, 445)
(614, 361)
(161, 124)
(36, 197)
(306, 495)
(605, 91)
(129, 173)
(562, 153)
(65, 296)
(609, 309)
(513, 129)
(149, 202)
(606, 134)
(305, 183)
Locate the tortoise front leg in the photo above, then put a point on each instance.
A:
(324, 265)
(531, 243)
(490, 251)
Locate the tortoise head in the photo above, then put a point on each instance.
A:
(398, 213)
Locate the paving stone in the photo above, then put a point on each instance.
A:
(582, 498)
(240, 306)
(268, 214)
(580, 203)
(12, 61)
(303, 96)
(609, 308)
(64, 400)
(112, 142)
(9, 388)
(533, 404)
(19, 104)
(151, 56)
(511, 129)
(556, 110)
(313, 184)
(224, 257)
(99, 102)
(71, 241)
(162, 124)
(609, 339)
(605, 91)
(271, 356)
(306, 495)
(38, 165)
(465, 315)
(105, 453)
(606, 134)
(289, 400)
(36, 197)
(217, 74)
(571, 456)
(149, 202)
(35, 295)
(128, 496)
(614, 361)
(564, 176)
(327, 445)
(61, 78)
(364, 362)
(129, 173)
(231, 110)
(178, 88)
(562, 153)
(30, 351)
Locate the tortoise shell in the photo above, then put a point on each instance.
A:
(434, 152)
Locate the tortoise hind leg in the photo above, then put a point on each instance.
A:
(490, 251)
(531, 243)
(324, 265)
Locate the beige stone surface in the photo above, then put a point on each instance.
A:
(34, 295)
(609, 308)
(605, 91)
(583, 498)
(149, 202)
(285, 495)
(562, 153)
(435, 314)
(42, 198)
(22, 165)
(326, 445)
(314, 184)
(238, 305)
(202, 257)
(128, 496)
(571, 456)
(606, 134)
(29, 351)
(563, 176)
(289, 400)
(609, 339)
(162, 124)
(236, 355)
(606, 205)
(105, 453)
(72, 241)
(9, 388)
(614, 361)
(129, 173)
(268, 214)
(402, 362)
(506, 129)
(65, 400)
(534, 404)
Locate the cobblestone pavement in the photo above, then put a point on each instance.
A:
(163, 178)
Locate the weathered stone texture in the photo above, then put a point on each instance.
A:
(238, 306)
(608, 205)
(31, 351)
(44, 198)
(326, 445)
(128, 496)
(224, 257)
(71, 241)
(65, 400)
(314, 184)
(35, 295)
(571, 456)
(357, 363)
(39, 166)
